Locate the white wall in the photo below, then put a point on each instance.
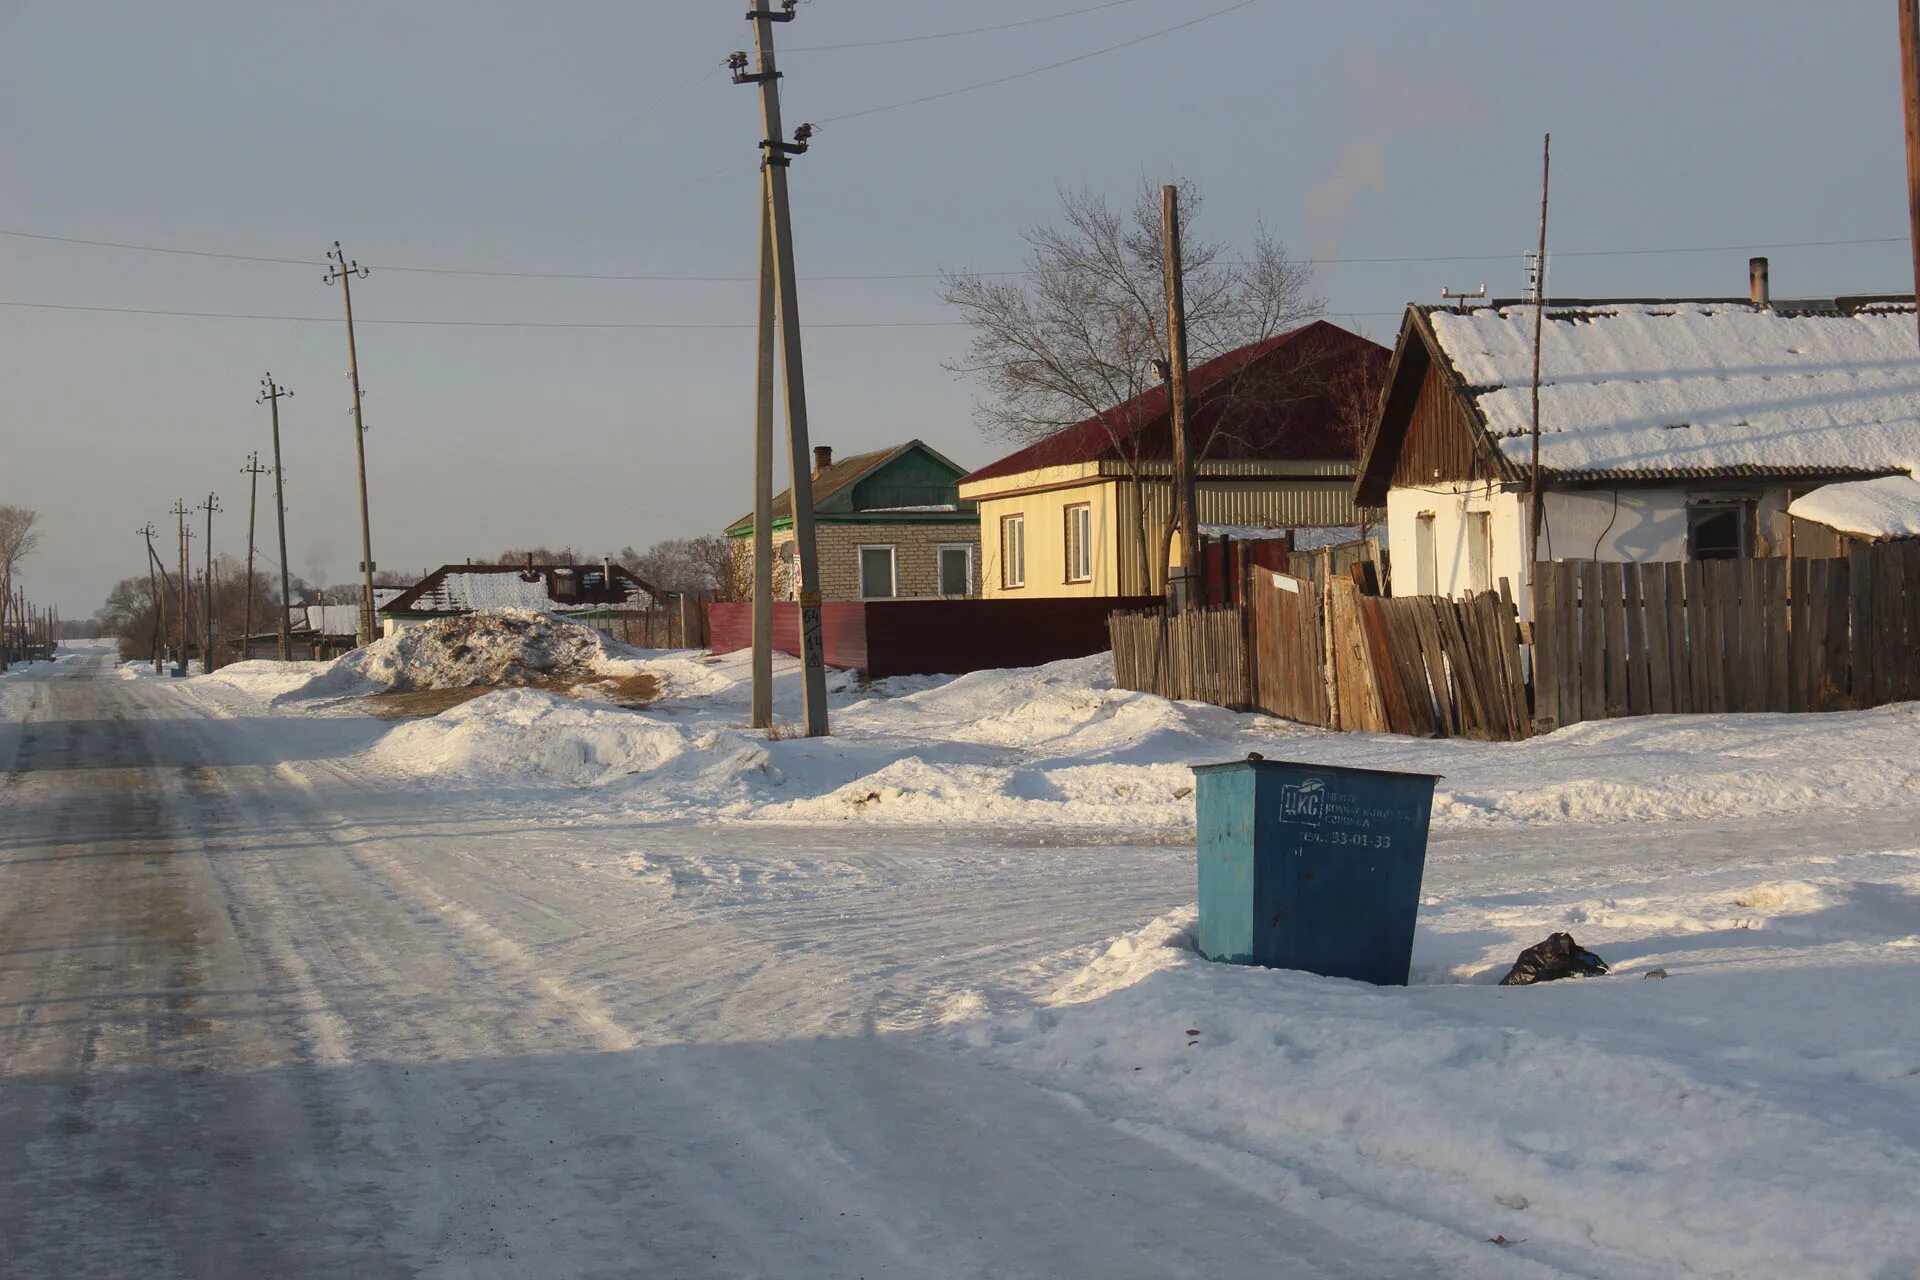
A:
(1450, 506)
(1628, 525)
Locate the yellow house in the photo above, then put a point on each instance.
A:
(1084, 511)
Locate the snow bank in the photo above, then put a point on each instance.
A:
(1059, 745)
(1752, 1114)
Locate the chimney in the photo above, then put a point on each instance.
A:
(822, 457)
(1757, 282)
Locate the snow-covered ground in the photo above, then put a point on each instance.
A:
(1741, 1097)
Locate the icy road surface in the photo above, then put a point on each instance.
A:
(261, 1020)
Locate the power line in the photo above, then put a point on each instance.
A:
(1034, 71)
(475, 324)
(672, 278)
(967, 31)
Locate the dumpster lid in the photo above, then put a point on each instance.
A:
(1263, 763)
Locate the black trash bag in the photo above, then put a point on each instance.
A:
(1558, 957)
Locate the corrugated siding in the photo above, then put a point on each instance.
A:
(1280, 503)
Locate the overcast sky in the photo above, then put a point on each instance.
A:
(604, 138)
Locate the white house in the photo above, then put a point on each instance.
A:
(1669, 430)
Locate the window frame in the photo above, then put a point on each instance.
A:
(1745, 512)
(893, 568)
(1477, 530)
(939, 552)
(1426, 554)
(787, 556)
(1013, 568)
(1075, 511)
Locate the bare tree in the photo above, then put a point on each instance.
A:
(18, 538)
(704, 564)
(1078, 338)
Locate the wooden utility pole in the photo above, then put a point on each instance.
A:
(253, 471)
(1910, 99)
(1180, 588)
(344, 271)
(271, 394)
(1539, 315)
(763, 474)
(180, 510)
(153, 592)
(210, 626)
(777, 153)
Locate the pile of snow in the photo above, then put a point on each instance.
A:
(501, 648)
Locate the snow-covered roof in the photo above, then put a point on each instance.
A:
(1885, 508)
(333, 619)
(1684, 387)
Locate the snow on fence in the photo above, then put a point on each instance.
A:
(1728, 635)
(1325, 653)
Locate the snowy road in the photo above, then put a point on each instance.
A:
(261, 1018)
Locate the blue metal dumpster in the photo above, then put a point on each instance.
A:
(1311, 866)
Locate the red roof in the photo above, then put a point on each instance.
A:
(1266, 400)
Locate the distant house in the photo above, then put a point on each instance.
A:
(569, 590)
(1274, 449)
(888, 524)
(1669, 430)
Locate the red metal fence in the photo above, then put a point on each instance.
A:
(933, 637)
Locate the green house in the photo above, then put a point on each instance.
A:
(889, 524)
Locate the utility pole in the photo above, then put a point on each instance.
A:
(1910, 98)
(211, 627)
(763, 476)
(153, 591)
(344, 271)
(271, 393)
(180, 511)
(253, 471)
(776, 155)
(1539, 314)
(1180, 590)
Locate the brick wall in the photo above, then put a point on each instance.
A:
(915, 557)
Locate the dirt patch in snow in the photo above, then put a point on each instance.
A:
(633, 690)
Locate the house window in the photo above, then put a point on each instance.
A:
(876, 573)
(1080, 543)
(1426, 562)
(1479, 550)
(956, 570)
(1013, 551)
(1719, 530)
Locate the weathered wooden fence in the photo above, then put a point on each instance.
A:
(1727, 635)
(1200, 655)
(1327, 654)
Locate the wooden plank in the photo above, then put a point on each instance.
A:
(1774, 609)
(1910, 558)
(1614, 618)
(1468, 694)
(1861, 623)
(1404, 641)
(1593, 644)
(1797, 648)
(1572, 679)
(1890, 609)
(1675, 573)
(1754, 634)
(1658, 636)
(1433, 661)
(1546, 689)
(1699, 656)
(1819, 590)
(1393, 690)
(1513, 659)
(1839, 634)
(1639, 667)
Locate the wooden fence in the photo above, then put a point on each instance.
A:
(1199, 655)
(1728, 635)
(1329, 655)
